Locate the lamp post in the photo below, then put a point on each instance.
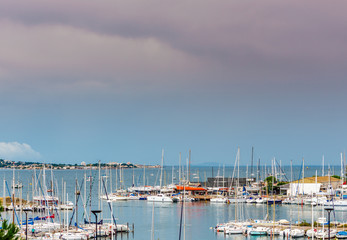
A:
(26, 221)
(329, 209)
(95, 212)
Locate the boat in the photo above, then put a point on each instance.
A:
(341, 234)
(274, 201)
(251, 200)
(18, 185)
(189, 188)
(221, 227)
(261, 200)
(286, 233)
(159, 198)
(67, 206)
(46, 200)
(297, 233)
(233, 230)
(337, 203)
(118, 198)
(311, 233)
(325, 234)
(219, 199)
(274, 232)
(68, 236)
(258, 231)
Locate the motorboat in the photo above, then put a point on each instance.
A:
(233, 230)
(67, 206)
(219, 199)
(258, 231)
(159, 198)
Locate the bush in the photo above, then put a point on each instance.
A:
(9, 231)
(304, 224)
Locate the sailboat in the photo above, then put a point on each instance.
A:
(160, 197)
(236, 227)
(296, 232)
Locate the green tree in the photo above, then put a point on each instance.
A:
(9, 231)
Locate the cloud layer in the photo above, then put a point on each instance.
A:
(125, 45)
(18, 151)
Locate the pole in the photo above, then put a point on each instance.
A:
(329, 224)
(96, 226)
(95, 212)
(328, 209)
(26, 227)
(26, 223)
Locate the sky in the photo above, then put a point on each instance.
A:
(118, 81)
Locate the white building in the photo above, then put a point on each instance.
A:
(313, 185)
(303, 188)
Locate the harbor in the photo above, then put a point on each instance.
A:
(124, 196)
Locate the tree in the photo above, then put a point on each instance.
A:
(273, 185)
(9, 231)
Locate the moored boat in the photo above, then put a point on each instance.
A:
(341, 234)
(258, 231)
(159, 198)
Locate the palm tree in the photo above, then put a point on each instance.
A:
(8, 231)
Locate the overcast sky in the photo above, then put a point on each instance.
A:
(120, 80)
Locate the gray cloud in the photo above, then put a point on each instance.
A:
(267, 41)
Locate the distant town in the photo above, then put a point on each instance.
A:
(31, 165)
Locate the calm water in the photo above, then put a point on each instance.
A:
(199, 218)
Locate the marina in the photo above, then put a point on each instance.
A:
(127, 207)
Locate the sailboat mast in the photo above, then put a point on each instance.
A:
(303, 168)
(4, 194)
(85, 190)
(13, 194)
(291, 170)
(161, 168)
(189, 166)
(133, 178)
(76, 195)
(116, 178)
(341, 170)
(99, 186)
(258, 171)
(144, 177)
(179, 169)
(252, 162)
(111, 179)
